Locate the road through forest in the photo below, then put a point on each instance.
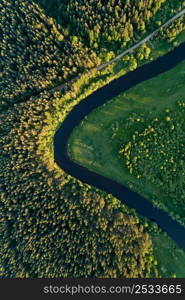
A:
(129, 50)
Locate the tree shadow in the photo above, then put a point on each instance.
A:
(51, 8)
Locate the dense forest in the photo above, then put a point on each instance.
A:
(110, 24)
(52, 225)
(38, 53)
(34, 55)
(57, 227)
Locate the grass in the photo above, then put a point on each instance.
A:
(170, 258)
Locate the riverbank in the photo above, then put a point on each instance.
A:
(97, 141)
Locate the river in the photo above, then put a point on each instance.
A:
(101, 96)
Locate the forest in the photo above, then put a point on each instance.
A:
(111, 24)
(34, 54)
(57, 227)
(53, 225)
(44, 53)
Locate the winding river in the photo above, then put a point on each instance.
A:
(101, 96)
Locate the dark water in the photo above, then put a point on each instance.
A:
(126, 196)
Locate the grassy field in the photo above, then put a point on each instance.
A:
(95, 143)
(97, 140)
(170, 258)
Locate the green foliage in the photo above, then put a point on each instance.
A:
(156, 154)
(174, 29)
(34, 54)
(54, 226)
(110, 24)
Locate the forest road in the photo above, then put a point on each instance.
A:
(129, 50)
